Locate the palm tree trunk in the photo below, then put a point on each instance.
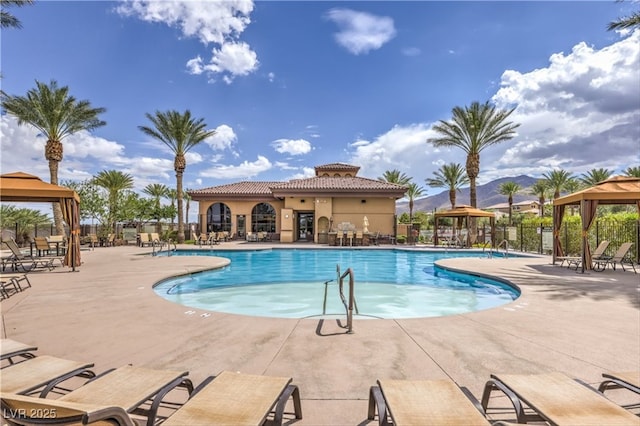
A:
(180, 213)
(57, 209)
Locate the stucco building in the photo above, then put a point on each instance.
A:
(301, 209)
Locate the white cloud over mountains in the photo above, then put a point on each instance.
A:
(580, 112)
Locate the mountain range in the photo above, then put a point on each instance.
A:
(487, 195)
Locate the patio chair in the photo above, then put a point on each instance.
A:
(143, 239)
(556, 399)
(628, 380)
(349, 238)
(238, 399)
(93, 240)
(423, 402)
(10, 349)
(27, 410)
(576, 261)
(155, 237)
(111, 240)
(619, 258)
(137, 390)
(58, 242)
(42, 374)
(44, 250)
(25, 262)
(359, 237)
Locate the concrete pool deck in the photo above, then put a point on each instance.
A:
(107, 313)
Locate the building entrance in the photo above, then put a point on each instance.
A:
(305, 226)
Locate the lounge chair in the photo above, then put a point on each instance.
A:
(42, 374)
(628, 380)
(8, 286)
(44, 250)
(577, 260)
(155, 237)
(619, 258)
(556, 399)
(111, 240)
(423, 402)
(238, 399)
(130, 388)
(27, 410)
(10, 349)
(13, 283)
(25, 262)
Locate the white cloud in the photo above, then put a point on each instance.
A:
(403, 147)
(230, 60)
(212, 22)
(245, 170)
(361, 32)
(306, 172)
(582, 102)
(293, 147)
(208, 21)
(224, 138)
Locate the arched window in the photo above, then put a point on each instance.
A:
(218, 218)
(263, 218)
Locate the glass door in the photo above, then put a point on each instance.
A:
(241, 225)
(305, 226)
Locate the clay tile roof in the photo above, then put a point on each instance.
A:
(337, 166)
(337, 184)
(239, 188)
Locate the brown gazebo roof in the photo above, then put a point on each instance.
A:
(616, 190)
(24, 187)
(464, 211)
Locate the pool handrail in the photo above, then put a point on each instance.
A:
(352, 300)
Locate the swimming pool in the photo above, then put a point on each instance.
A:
(289, 283)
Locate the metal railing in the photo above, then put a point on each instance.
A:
(160, 245)
(350, 303)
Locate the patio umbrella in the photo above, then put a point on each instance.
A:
(365, 225)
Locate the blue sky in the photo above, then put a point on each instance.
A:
(291, 85)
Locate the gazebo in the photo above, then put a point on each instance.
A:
(616, 190)
(465, 212)
(23, 187)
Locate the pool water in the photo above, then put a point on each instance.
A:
(290, 283)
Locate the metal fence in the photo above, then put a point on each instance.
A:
(539, 238)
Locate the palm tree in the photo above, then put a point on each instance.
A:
(509, 189)
(573, 185)
(413, 191)
(632, 172)
(557, 180)
(187, 200)
(451, 176)
(626, 22)
(540, 189)
(157, 191)
(473, 129)
(180, 132)
(55, 114)
(594, 176)
(7, 20)
(114, 181)
(395, 176)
